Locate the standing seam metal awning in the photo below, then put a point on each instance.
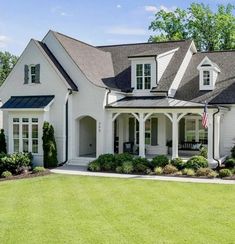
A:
(28, 102)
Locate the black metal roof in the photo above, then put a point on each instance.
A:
(19, 102)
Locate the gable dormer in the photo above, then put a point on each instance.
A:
(208, 73)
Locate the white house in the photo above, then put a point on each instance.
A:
(139, 97)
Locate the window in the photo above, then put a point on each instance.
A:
(33, 73)
(143, 76)
(151, 128)
(206, 78)
(25, 135)
(194, 131)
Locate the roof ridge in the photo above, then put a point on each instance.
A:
(74, 39)
(217, 51)
(142, 43)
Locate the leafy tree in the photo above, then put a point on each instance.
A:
(3, 145)
(7, 62)
(49, 146)
(210, 30)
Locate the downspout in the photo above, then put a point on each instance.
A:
(213, 148)
(66, 127)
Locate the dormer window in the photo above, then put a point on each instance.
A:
(206, 77)
(32, 74)
(208, 73)
(143, 76)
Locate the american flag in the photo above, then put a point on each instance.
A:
(205, 117)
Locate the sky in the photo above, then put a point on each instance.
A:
(95, 22)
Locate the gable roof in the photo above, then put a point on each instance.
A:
(122, 65)
(94, 63)
(53, 59)
(224, 91)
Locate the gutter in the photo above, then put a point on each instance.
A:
(213, 148)
(70, 91)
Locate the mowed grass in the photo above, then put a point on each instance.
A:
(74, 209)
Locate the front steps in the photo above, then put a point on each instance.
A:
(80, 161)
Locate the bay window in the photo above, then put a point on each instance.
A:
(25, 135)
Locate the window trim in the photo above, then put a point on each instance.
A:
(30, 138)
(143, 76)
(207, 79)
(32, 75)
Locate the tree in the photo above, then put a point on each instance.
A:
(7, 62)
(3, 145)
(49, 146)
(209, 30)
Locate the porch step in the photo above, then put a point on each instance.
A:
(81, 161)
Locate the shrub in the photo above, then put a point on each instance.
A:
(169, 169)
(38, 169)
(178, 173)
(149, 171)
(6, 174)
(107, 162)
(160, 161)
(107, 166)
(3, 145)
(230, 163)
(233, 152)
(140, 164)
(158, 170)
(127, 167)
(94, 166)
(203, 152)
(225, 173)
(123, 157)
(204, 171)
(188, 172)
(178, 163)
(16, 162)
(212, 174)
(119, 169)
(196, 162)
(49, 146)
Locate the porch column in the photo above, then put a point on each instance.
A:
(210, 138)
(141, 135)
(175, 136)
(109, 134)
(120, 133)
(217, 136)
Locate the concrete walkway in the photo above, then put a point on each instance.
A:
(82, 170)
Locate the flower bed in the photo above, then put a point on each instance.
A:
(196, 166)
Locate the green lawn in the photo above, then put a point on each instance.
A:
(74, 209)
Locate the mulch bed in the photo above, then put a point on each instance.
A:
(27, 175)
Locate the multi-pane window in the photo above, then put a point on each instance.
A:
(190, 128)
(143, 76)
(25, 135)
(206, 77)
(33, 73)
(148, 132)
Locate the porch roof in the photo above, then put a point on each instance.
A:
(28, 102)
(154, 102)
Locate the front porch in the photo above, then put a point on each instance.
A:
(174, 130)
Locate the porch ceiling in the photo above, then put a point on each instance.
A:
(154, 102)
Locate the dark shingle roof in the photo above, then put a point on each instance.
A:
(20, 102)
(122, 65)
(58, 65)
(153, 102)
(95, 64)
(224, 91)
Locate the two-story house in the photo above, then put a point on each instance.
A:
(143, 97)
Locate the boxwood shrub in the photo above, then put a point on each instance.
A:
(178, 163)
(141, 165)
(160, 161)
(230, 163)
(38, 169)
(127, 167)
(196, 162)
(123, 157)
(94, 166)
(225, 173)
(6, 174)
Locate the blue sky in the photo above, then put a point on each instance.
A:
(96, 22)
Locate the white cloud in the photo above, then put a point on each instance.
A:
(4, 40)
(123, 30)
(59, 10)
(154, 9)
(119, 6)
(150, 8)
